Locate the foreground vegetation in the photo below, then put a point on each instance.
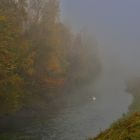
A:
(125, 129)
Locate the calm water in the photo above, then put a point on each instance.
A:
(75, 116)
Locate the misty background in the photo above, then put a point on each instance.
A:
(66, 75)
(115, 25)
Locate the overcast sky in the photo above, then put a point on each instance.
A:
(115, 23)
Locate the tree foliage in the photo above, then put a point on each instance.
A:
(38, 51)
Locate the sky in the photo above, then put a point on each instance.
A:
(114, 23)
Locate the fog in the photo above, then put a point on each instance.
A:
(66, 66)
(115, 25)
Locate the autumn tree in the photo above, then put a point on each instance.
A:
(38, 51)
(13, 54)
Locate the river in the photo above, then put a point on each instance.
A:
(76, 116)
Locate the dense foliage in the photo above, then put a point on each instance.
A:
(37, 51)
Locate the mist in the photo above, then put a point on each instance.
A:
(67, 67)
(115, 25)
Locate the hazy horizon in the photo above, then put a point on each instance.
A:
(115, 25)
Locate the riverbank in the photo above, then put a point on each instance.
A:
(124, 129)
(134, 90)
(127, 128)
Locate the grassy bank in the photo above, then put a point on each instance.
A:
(126, 128)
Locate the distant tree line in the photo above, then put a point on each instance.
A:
(38, 51)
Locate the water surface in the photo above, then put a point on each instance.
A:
(75, 116)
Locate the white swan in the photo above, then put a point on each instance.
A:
(93, 98)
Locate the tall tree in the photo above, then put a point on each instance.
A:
(12, 18)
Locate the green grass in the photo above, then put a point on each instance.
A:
(124, 129)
